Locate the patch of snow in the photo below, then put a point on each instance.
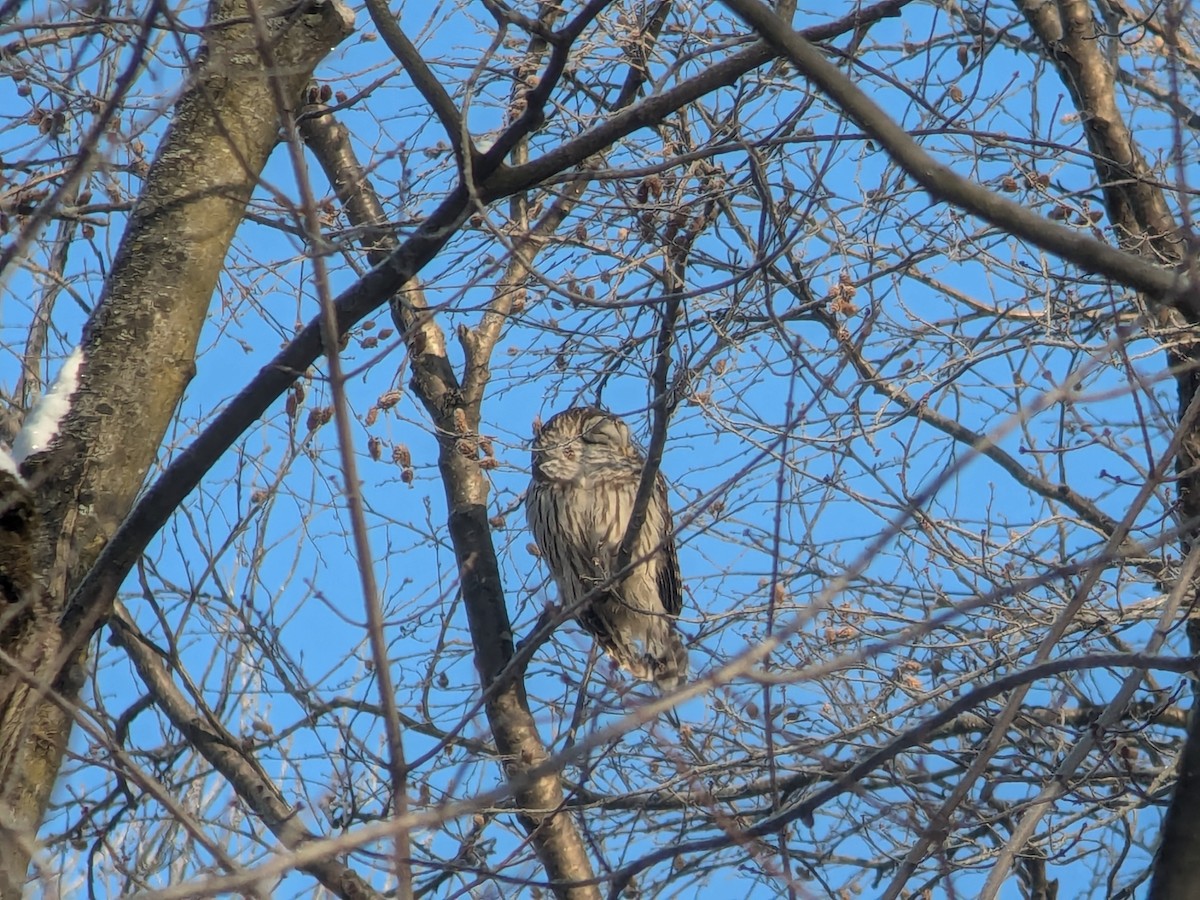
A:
(9, 465)
(42, 424)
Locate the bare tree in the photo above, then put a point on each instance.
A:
(901, 297)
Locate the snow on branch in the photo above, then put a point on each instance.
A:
(43, 422)
(9, 465)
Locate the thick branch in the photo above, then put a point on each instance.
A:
(1167, 286)
(1144, 224)
(139, 354)
(418, 70)
(456, 419)
(1133, 198)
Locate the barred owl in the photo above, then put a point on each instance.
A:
(585, 477)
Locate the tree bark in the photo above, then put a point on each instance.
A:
(1151, 259)
(139, 355)
(455, 413)
(1143, 224)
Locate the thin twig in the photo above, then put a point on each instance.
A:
(422, 76)
(224, 752)
(1170, 287)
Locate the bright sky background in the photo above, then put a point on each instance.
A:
(287, 563)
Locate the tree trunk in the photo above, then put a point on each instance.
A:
(139, 355)
(1143, 224)
(453, 405)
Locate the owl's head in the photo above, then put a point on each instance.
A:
(578, 442)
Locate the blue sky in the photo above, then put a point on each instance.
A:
(260, 555)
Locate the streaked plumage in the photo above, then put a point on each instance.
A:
(586, 471)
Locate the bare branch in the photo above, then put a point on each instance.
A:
(224, 752)
(1170, 287)
(422, 76)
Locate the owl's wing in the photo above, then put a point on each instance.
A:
(670, 590)
(670, 587)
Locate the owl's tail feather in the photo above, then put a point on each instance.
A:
(670, 668)
(662, 658)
